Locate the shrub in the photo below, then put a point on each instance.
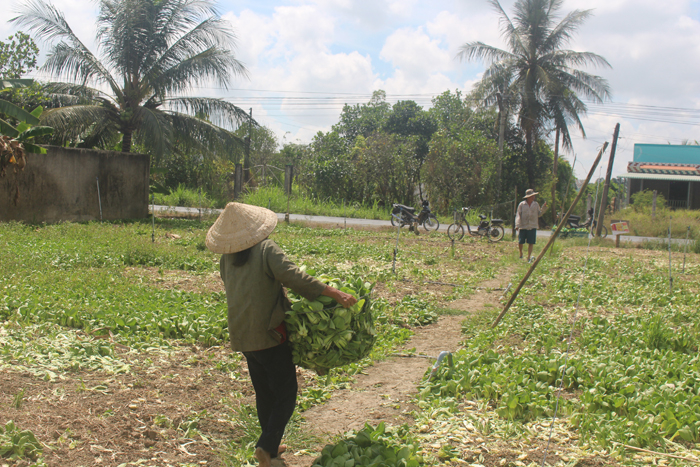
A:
(642, 201)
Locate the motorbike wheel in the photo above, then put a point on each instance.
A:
(603, 232)
(431, 223)
(455, 232)
(393, 221)
(496, 233)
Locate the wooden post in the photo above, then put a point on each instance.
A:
(515, 209)
(588, 204)
(237, 181)
(653, 205)
(230, 185)
(246, 157)
(606, 187)
(551, 239)
(288, 178)
(617, 241)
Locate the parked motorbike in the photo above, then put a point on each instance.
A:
(402, 215)
(573, 224)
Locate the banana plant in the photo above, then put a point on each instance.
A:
(26, 129)
(16, 141)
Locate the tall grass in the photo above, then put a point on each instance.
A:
(642, 224)
(275, 199)
(186, 197)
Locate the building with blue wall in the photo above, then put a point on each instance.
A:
(671, 170)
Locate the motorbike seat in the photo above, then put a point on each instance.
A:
(401, 207)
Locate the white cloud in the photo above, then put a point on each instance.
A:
(405, 83)
(458, 30)
(413, 51)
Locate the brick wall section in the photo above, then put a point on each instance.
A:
(62, 186)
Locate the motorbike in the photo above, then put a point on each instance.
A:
(491, 229)
(402, 215)
(575, 227)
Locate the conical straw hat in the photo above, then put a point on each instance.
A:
(239, 227)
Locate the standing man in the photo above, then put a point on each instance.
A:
(527, 221)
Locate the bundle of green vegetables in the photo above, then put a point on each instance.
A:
(325, 335)
(370, 447)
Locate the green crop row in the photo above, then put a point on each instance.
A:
(631, 375)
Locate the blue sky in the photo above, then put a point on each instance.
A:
(307, 57)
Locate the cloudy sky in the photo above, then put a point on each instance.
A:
(306, 58)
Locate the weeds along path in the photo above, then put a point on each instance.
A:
(383, 392)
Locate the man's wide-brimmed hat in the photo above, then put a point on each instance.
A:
(530, 192)
(239, 227)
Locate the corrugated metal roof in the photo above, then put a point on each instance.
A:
(671, 177)
(663, 168)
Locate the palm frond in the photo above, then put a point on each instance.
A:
(155, 131)
(592, 86)
(77, 65)
(104, 134)
(48, 23)
(571, 58)
(200, 135)
(217, 111)
(508, 30)
(563, 32)
(65, 94)
(481, 51)
(209, 34)
(212, 64)
(71, 123)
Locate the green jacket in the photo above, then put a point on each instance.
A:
(256, 298)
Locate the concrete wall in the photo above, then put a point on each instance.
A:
(62, 186)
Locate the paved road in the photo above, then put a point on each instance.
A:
(340, 222)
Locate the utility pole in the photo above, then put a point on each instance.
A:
(246, 159)
(604, 199)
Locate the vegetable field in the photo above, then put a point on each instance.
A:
(113, 352)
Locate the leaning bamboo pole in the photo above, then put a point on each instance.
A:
(551, 239)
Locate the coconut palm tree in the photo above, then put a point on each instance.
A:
(540, 68)
(152, 52)
(497, 88)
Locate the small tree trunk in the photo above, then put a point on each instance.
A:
(529, 154)
(126, 141)
(501, 138)
(554, 176)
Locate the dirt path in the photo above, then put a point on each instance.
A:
(384, 391)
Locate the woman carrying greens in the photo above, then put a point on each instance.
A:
(255, 271)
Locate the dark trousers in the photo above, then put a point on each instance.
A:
(274, 378)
